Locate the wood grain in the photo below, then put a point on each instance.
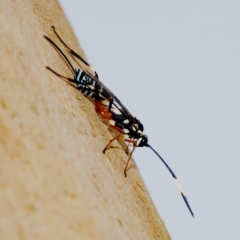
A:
(55, 183)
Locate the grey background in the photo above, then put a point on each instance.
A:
(175, 65)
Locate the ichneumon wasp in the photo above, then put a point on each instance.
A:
(109, 107)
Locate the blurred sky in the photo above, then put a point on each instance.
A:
(175, 65)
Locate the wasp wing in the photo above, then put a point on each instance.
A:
(110, 96)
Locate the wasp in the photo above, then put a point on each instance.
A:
(109, 107)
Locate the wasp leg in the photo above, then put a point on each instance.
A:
(129, 158)
(127, 148)
(74, 53)
(61, 76)
(61, 53)
(104, 150)
(116, 128)
(110, 106)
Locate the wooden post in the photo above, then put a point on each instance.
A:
(55, 182)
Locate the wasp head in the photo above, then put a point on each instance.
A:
(142, 141)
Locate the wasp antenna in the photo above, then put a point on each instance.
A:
(175, 178)
(62, 54)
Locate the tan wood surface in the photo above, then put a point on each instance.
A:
(55, 183)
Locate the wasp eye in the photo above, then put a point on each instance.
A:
(140, 127)
(144, 141)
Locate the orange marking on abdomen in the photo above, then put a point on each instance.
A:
(102, 111)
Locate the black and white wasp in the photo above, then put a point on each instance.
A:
(109, 107)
